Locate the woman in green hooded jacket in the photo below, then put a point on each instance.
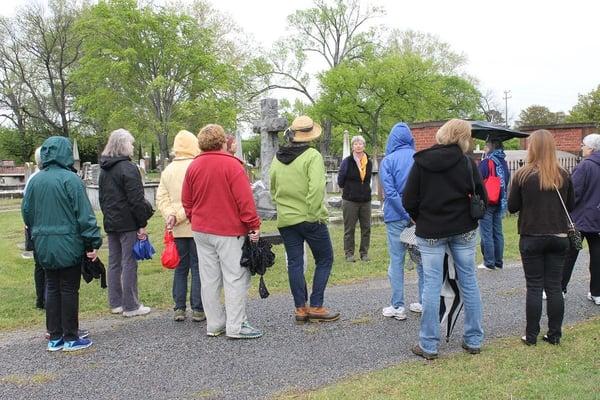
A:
(63, 229)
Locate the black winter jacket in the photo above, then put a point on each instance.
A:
(436, 195)
(122, 195)
(349, 180)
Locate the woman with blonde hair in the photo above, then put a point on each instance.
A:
(538, 191)
(437, 197)
(168, 201)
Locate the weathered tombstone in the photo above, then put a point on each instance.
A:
(76, 160)
(346, 149)
(268, 127)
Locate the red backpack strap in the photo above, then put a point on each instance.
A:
(491, 167)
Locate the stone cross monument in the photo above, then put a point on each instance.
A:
(268, 127)
(346, 149)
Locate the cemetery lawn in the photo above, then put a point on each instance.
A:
(506, 369)
(17, 292)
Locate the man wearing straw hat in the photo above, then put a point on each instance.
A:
(298, 189)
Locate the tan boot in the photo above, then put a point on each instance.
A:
(322, 314)
(301, 314)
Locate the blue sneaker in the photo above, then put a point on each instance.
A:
(79, 344)
(55, 345)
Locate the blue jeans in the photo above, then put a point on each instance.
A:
(317, 237)
(188, 261)
(397, 252)
(462, 248)
(492, 239)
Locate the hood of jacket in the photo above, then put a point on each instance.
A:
(400, 138)
(594, 157)
(57, 150)
(107, 162)
(186, 145)
(439, 157)
(287, 154)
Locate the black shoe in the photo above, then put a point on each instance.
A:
(471, 350)
(527, 342)
(417, 350)
(553, 341)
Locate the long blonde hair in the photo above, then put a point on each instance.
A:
(541, 160)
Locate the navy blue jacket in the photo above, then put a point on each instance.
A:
(586, 183)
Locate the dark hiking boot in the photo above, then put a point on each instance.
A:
(417, 350)
(470, 350)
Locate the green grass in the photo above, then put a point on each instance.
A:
(506, 369)
(17, 293)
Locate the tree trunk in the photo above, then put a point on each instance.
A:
(326, 140)
(163, 145)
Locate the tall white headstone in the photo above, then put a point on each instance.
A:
(346, 148)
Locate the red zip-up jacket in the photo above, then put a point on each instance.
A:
(217, 197)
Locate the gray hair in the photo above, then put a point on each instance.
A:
(357, 138)
(38, 157)
(120, 143)
(592, 141)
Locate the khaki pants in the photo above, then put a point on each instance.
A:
(219, 264)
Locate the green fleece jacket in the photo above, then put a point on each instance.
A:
(298, 188)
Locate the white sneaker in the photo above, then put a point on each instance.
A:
(116, 310)
(595, 299)
(544, 297)
(142, 310)
(416, 307)
(393, 312)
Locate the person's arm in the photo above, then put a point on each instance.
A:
(479, 187)
(570, 200)
(411, 195)
(483, 168)
(580, 181)
(341, 179)
(163, 200)
(242, 193)
(514, 196)
(84, 214)
(187, 200)
(316, 185)
(134, 191)
(390, 190)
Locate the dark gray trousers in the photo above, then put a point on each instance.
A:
(122, 271)
(352, 212)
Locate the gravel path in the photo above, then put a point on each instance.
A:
(156, 358)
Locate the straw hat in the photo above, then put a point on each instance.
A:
(305, 129)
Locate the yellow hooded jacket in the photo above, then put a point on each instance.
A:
(168, 196)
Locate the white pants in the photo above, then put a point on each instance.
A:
(219, 264)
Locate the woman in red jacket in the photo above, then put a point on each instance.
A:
(217, 199)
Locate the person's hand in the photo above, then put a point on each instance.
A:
(92, 255)
(141, 234)
(254, 235)
(171, 221)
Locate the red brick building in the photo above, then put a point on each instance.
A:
(568, 136)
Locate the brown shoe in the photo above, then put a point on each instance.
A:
(318, 314)
(301, 314)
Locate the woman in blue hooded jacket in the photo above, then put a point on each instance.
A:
(393, 172)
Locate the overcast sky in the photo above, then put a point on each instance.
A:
(544, 52)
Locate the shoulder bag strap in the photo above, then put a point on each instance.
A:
(491, 167)
(571, 224)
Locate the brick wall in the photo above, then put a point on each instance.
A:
(568, 136)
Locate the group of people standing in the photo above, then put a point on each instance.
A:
(206, 200)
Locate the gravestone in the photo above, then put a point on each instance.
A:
(346, 146)
(268, 128)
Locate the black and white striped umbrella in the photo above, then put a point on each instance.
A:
(451, 302)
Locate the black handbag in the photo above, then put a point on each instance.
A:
(477, 205)
(573, 234)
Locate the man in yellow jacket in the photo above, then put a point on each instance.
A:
(168, 199)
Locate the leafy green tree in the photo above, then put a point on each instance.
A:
(371, 95)
(153, 70)
(540, 115)
(587, 108)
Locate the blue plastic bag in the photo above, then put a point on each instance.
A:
(143, 250)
